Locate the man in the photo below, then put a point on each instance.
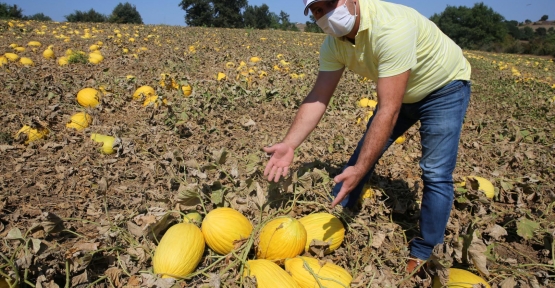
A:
(421, 75)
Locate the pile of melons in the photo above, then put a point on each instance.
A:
(280, 242)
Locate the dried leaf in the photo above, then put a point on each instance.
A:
(220, 156)
(249, 123)
(496, 232)
(260, 196)
(102, 185)
(476, 251)
(80, 279)
(51, 223)
(318, 247)
(508, 283)
(114, 274)
(151, 281)
(377, 239)
(188, 194)
(134, 229)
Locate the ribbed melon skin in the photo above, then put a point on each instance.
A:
(179, 252)
(268, 274)
(88, 97)
(281, 238)
(329, 274)
(459, 278)
(324, 227)
(223, 226)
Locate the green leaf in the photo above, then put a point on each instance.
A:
(217, 195)
(36, 245)
(252, 164)
(526, 228)
(14, 234)
(506, 186)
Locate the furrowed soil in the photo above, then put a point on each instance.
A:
(71, 216)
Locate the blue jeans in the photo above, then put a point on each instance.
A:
(441, 117)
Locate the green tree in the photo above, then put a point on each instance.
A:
(527, 33)
(217, 13)
(512, 28)
(544, 17)
(311, 26)
(227, 13)
(198, 12)
(285, 24)
(39, 17)
(471, 27)
(125, 14)
(89, 16)
(12, 12)
(274, 21)
(259, 17)
(527, 21)
(541, 32)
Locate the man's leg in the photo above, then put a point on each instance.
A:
(404, 121)
(441, 116)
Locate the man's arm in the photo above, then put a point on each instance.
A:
(391, 91)
(308, 116)
(313, 108)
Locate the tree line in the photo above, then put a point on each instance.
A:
(122, 13)
(481, 28)
(478, 27)
(234, 14)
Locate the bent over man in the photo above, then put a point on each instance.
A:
(421, 75)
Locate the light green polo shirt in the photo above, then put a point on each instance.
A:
(392, 39)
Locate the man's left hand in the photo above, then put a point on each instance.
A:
(350, 177)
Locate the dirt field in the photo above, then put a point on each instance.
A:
(71, 216)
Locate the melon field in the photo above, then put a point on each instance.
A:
(85, 200)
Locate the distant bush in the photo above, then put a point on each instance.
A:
(89, 16)
(78, 57)
(125, 14)
(39, 17)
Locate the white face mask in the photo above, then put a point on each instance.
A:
(338, 22)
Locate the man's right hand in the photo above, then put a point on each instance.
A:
(282, 157)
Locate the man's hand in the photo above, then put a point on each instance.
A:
(282, 157)
(350, 177)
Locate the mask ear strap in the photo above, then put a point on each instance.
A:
(355, 3)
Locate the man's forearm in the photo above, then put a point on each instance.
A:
(306, 120)
(378, 133)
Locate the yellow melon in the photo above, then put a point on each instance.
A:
(268, 274)
(328, 274)
(88, 97)
(280, 238)
(323, 227)
(459, 278)
(179, 252)
(107, 143)
(222, 227)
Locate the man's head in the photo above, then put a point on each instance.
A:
(335, 17)
(307, 3)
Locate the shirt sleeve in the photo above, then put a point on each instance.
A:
(396, 48)
(328, 56)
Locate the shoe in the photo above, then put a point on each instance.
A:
(415, 267)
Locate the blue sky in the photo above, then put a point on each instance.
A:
(168, 11)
